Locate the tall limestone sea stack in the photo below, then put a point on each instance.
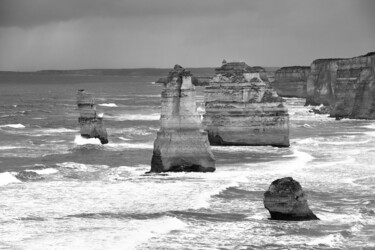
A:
(242, 109)
(346, 85)
(91, 124)
(291, 81)
(181, 143)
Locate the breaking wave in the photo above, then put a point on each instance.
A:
(7, 178)
(79, 140)
(108, 105)
(20, 126)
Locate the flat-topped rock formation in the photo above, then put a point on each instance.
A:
(242, 109)
(291, 81)
(286, 200)
(181, 143)
(346, 85)
(91, 124)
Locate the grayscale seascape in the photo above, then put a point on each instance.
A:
(82, 194)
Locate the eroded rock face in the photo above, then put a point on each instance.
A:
(291, 81)
(91, 124)
(346, 85)
(181, 143)
(285, 200)
(242, 109)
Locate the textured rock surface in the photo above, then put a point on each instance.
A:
(346, 85)
(91, 124)
(181, 143)
(285, 200)
(291, 81)
(242, 109)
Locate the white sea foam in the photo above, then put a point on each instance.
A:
(144, 230)
(370, 126)
(7, 178)
(58, 130)
(9, 147)
(79, 140)
(124, 145)
(20, 126)
(134, 117)
(45, 171)
(81, 166)
(108, 104)
(124, 139)
(331, 240)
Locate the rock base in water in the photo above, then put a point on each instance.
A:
(243, 110)
(285, 200)
(291, 81)
(181, 144)
(91, 124)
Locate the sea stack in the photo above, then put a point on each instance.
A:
(291, 81)
(242, 109)
(181, 143)
(285, 200)
(91, 124)
(346, 85)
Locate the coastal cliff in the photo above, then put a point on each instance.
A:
(346, 85)
(181, 143)
(90, 123)
(291, 81)
(242, 109)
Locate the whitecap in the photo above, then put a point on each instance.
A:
(81, 166)
(132, 117)
(7, 178)
(371, 126)
(124, 139)
(13, 126)
(79, 140)
(8, 147)
(45, 171)
(124, 145)
(58, 130)
(144, 230)
(108, 104)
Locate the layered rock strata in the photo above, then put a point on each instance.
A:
(291, 81)
(241, 109)
(346, 85)
(90, 122)
(286, 200)
(181, 143)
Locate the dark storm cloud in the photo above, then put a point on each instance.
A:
(70, 34)
(26, 13)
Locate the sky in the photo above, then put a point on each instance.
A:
(81, 34)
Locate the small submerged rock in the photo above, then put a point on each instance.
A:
(28, 176)
(286, 200)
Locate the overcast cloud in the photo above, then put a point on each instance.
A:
(75, 34)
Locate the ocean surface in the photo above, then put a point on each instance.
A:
(93, 196)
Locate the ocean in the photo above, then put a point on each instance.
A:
(93, 196)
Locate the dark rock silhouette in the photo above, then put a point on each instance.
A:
(181, 143)
(90, 123)
(29, 176)
(285, 200)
